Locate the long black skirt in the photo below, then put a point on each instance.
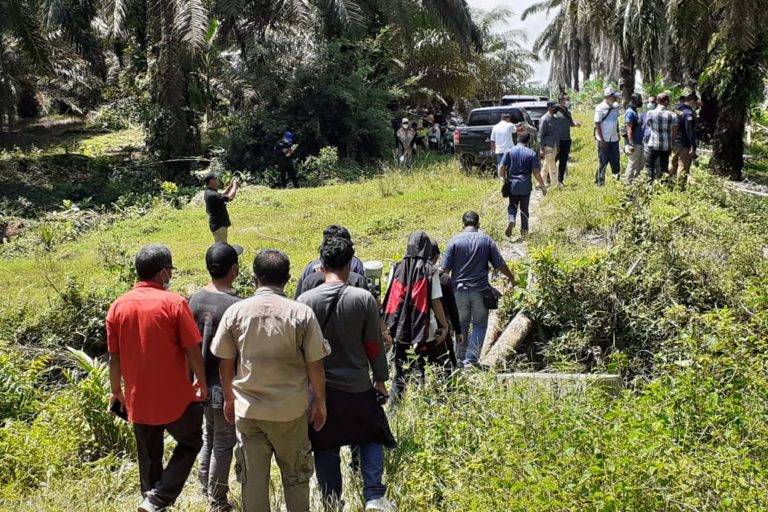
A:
(353, 418)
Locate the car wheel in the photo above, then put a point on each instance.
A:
(466, 162)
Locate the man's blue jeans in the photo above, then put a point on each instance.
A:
(472, 310)
(328, 470)
(605, 156)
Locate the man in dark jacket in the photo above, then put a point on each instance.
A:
(284, 149)
(684, 145)
(449, 306)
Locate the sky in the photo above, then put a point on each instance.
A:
(533, 25)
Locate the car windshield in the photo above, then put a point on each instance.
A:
(491, 117)
(536, 112)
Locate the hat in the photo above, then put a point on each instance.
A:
(552, 103)
(610, 91)
(210, 176)
(405, 120)
(288, 136)
(222, 256)
(692, 97)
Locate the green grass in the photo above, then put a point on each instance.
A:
(693, 438)
(291, 220)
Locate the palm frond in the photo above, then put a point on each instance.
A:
(191, 22)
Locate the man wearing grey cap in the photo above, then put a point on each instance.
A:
(607, 135)
(216, 205)
(208, 305)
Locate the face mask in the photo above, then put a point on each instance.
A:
(651, 106)
(568, 105)
(167, 284)
(615, 104)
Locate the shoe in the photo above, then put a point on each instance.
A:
(510, 228)
(380, 505)
(148, 506)
(560, 184)
(616, 176)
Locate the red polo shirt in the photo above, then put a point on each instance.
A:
(150, 328)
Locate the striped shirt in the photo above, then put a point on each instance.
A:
(661, 122)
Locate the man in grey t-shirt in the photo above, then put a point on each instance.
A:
(349, 318)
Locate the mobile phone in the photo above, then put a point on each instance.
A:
(381, 399)
(119, 411)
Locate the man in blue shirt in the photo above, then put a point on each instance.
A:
(517, 167)
(633, 143)
(684, 145)
(466, 259)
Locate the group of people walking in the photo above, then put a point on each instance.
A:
(269, 376)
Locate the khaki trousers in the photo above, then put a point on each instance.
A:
(289, 442)
(550, 166)
(636, 162)
(220, 235)
(681, 164)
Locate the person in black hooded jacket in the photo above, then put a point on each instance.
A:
(413, 310)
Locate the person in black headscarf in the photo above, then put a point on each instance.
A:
(413, 310)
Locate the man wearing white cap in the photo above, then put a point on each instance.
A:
(607, 135)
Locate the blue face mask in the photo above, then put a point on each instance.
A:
(651, 106)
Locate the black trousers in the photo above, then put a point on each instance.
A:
(562, 159)
(410, 365)
(163, 486)
(287, 169)
(656, 163)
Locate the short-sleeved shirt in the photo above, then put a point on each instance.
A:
(608, 117)
(316, 279)
(208, 306)
(632, 119)
(549, 136)
(520, 163)
(353, 330)
(273, 339)
(503, 135)
(216, 206)
(150, 329)
(467, 257)
(661, 121)
(315, 266)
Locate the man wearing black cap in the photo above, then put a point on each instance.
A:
(549, 139)
(208, 305)
(216, 205)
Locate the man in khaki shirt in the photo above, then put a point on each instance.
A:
(277, 345)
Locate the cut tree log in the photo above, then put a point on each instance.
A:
(492, 333)
(510, 340)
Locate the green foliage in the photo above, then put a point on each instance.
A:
(336, 100)
(75, 317)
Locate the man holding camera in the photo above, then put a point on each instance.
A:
(216, 205)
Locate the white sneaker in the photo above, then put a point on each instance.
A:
(380, 505)
(148, 506)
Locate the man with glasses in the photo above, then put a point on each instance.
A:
(151, 337)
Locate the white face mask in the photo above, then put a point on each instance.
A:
(167, 284)
(651, 106)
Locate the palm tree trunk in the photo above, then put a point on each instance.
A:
(627, 74)
(728, 143)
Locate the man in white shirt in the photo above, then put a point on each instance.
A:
(607, 135)
(502, 137)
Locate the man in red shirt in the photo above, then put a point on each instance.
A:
(151, 336)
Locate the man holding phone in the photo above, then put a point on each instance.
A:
(151, 337)
(349, 318)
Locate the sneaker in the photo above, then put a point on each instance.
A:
(560, 184)
(149, 506)
(510, 229)
(380, 505)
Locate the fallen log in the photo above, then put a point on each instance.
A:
(506, 346)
